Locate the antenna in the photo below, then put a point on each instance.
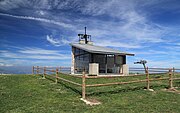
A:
(85, 30)
(84, 36)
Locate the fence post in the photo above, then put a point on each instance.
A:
(37, 70)
(83, 85)
(33, 70)
(147, 78)
(170, 79)
(60, 69)
(56, 81)
(44, 74)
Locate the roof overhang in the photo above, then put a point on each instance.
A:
(99, 49)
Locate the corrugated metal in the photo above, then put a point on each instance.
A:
(99, 49)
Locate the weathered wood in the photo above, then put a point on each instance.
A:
(33, 70)
(158, 73)
(56, 80)
(170, 79)
(84, 85)
(176, 78)
(159, 69)
(156, 79)
(147, 78)
(113, 76)
(76, 76)
(50, 70)
(69, 81)
(60, 69)
(37, 71)
(115, 83)
(44, 73)
(47, 74)
(152, 68)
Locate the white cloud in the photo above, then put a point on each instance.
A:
(35, 53)
(57, 42)
(40, 12)
(39, 19)
(5, 65)
(53, 41)
(178, 44)
(112, 43)
(40, 51)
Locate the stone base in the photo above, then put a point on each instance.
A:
(173, 90)
(91, 102)
(149, 90)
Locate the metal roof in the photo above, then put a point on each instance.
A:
(99, 49)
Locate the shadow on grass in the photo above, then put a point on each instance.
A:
(65, 85)
(114, 91)
(98, 93)
(71, 88)
(129, 89)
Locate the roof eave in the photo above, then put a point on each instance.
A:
(100, 52)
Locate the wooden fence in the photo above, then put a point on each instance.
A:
(85, 77)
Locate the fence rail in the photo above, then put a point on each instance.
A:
(148, 72)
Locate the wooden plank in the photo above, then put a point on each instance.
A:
(76, 76)
(56, 80)
(37, 71)
(69, 81)
(147, 78)
(159, 69)
(84, 86)
(157, 73)
(151, 68)
(170, 79)
(44, 74)
(176, 78)
(156, 79)
(113, 76)
(50, 70)
(33, 70)
(115, 83)
(135, 70)
(47, 74)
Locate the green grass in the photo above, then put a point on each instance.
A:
(27, 93)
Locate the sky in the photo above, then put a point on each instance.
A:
(38, 32)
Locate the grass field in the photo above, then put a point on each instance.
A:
(27, 93)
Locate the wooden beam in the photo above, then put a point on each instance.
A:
(84, 86)
(115, 83)
(69, 81)
(33, 70)
(147, 78)
(170, 79)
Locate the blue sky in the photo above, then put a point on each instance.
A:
(38, 32)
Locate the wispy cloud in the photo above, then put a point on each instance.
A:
(39, 51)
(57, 42)
(39, 19)
(5, 65)
(34, 53)
(112, 43)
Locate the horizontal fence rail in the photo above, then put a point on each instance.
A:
(55, 71)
